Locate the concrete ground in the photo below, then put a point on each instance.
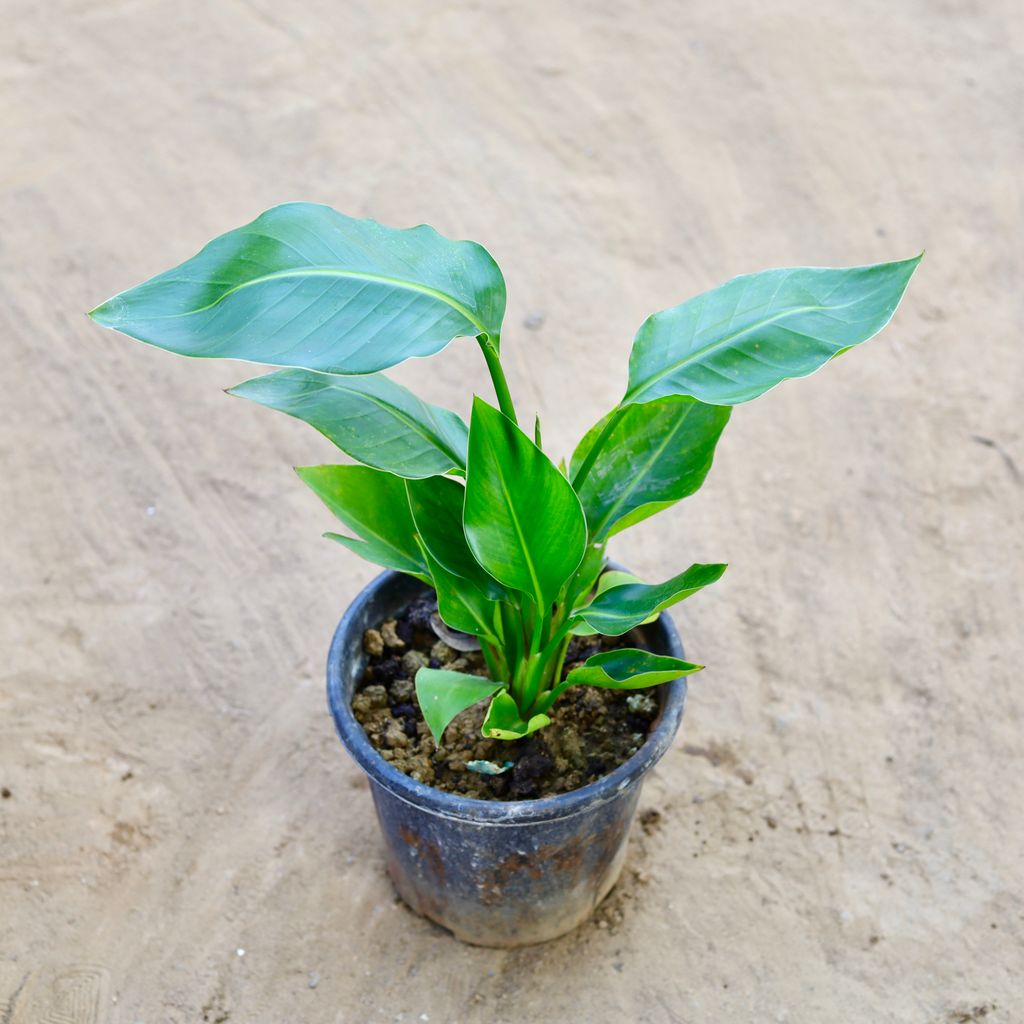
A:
(182, 837)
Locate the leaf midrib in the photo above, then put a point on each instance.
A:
(416, 426)
(328, 271)
(639, 477)
(715, 346)
(537, 591)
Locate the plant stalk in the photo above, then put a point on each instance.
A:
(490, 351)
(599, 443)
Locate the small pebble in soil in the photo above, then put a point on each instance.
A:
(389, 634)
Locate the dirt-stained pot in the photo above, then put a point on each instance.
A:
(496, 873)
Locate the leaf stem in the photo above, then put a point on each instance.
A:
(595, 449)
(489, 347)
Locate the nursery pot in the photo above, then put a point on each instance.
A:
(496, 873)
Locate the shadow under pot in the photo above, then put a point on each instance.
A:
(495, 873)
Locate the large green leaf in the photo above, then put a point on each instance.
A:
(523, 520)
(653, 455)
(371, 418)
(503, 721)
(374, 506)
(304, 285)
(732, 344)
(619, 609)
(443, 694)
(436, 505)
(629, 669)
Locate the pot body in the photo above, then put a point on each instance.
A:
(496, 873)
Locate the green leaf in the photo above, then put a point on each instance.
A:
(504, 723)
(653, 455)
(374, 506)
(629, 669)
(373, 419)
(460, 602)
(619, 609)
(304, 285)
(732, 344)
(436, 505)
(615, 578)
(523, 520)
(443, 694)
(589, 571)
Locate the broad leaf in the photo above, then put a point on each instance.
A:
(732, 344)
(304, 285)
(374, 506)
(615, 578)
(461, 604)
(436, 505)
(654, 455)
(619, 609)
(443, 694)
(629, 669)
(523, 520)
(503, 721)
(373, 419)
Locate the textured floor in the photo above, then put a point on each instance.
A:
(182, 838)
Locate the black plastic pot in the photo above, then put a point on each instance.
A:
(496, 873)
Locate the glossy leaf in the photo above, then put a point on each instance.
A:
(373, 419)
(629, 669)
(503, 721)
(304, 285)
(436, 505)
(374, 506)
(619, 609)
(653, 455)
(732, 344)
(523, 520)
(615, 578)
(443, 694)
(460, 602)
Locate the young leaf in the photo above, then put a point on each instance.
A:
(373, 419)
(619, 609)
(503, 721)
(523, 520)
(629, 669)
(653, 455)
(732, 344)
(374, 506)
(608, 580)
(461, 604)
(304, 285)
(443, 694)
(436, 505)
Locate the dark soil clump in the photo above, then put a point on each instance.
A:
(592, 730)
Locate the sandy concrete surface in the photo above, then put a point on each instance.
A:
(182, 838)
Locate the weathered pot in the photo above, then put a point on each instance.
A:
(496, 873)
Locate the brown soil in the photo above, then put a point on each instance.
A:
(592, 730)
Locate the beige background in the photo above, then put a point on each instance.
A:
(843, 815)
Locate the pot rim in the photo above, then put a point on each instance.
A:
(495, 812)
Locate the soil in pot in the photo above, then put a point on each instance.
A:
(593, 730)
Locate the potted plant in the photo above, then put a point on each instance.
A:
(492, 682)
